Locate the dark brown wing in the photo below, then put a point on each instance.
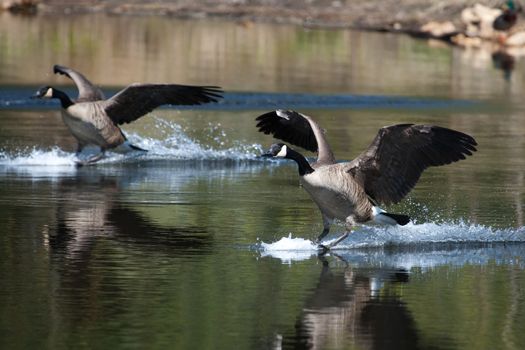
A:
(393, 163)
(87, 92)
(139, 99)
(288, 126)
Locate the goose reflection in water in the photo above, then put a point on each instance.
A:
(102, 252)
(91, 212)
(345, 310)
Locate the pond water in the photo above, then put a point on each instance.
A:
(201, 244)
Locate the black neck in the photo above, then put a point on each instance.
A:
(65, 101)
(304, 166)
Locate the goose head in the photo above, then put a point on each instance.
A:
(277, 150)
(44, 92)
(48, 92)
(280, 150)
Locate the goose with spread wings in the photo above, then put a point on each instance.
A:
(383, 174)
(94, 120)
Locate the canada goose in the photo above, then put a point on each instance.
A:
(383, 174)
(95, 122)
(87, 92)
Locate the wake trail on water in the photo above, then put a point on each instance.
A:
(175, 145)
(412, 239)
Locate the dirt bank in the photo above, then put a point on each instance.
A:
(389, 15)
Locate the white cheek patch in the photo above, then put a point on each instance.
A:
(282, 152)
(49, 93)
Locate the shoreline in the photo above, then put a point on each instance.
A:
(465, 23)
(404, 16)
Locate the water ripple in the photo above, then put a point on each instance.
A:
(18, 98)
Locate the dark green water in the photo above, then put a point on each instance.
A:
(187, 247)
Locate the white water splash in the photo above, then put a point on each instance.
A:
(175, 145)
(289, 249)
(415, 237)
(53, 157)
(460, 232)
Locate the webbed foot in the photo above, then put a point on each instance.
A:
(323, 249)
(329, 246)
(92, 160)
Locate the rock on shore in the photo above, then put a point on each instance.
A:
(388, 15)
(441, 19)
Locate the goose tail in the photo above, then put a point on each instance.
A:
(382, 217)
(137, 148)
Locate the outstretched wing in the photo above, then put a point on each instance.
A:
(393, 163)
(139, 99)
(87, 92)
(288, 126)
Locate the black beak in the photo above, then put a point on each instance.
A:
(266, 155)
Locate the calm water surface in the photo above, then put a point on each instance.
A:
(200, 244)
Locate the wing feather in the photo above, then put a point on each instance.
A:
(396, 158)
(137, 100)
(87, 92)
(288, 126)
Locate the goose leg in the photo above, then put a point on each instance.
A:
(337, 241)
(80, 147)
(350, 222)
(327, 222)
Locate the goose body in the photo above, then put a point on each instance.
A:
(383, 174)
(94, 120)
(338, 196)
(89, 126)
